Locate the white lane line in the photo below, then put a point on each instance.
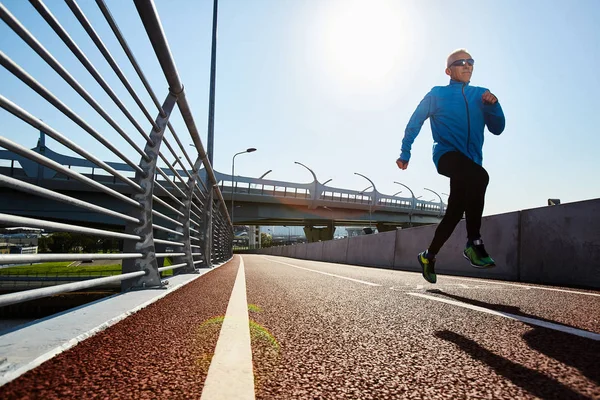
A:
(327, 273)
(521, 286)
(527, 320)
(230, 373)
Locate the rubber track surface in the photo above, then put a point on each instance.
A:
(338, 339)
(161, 352)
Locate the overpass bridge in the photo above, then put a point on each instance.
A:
(257, 201)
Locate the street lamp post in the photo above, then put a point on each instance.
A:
(213, 78)
(250, 150)
(372, 199)
(414, 202)
(309, 170)
(316, 184)
(440, 197)
(260, 177)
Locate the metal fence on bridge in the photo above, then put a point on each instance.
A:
(200, 234)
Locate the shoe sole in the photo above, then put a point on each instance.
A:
(487, 266)
(423, 269)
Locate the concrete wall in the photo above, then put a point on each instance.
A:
(561, 244)
(373, 250)
(558, 245)
(335, 250)
(314, 251)
(499, 232)
(301, 252)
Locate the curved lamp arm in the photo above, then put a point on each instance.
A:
(440, 197)
(265, 174)
(309, 170)
(411, 193)
(370, 181)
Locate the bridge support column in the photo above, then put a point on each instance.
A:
(254, 237)
(385, 228)
(318, 234)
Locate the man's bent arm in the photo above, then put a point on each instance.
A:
(494, 118)
(414, 125)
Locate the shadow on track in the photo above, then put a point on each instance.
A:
(528, 379)
(575, 351)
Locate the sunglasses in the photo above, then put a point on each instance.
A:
(462, 62)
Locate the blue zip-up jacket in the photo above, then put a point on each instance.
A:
(458, 117)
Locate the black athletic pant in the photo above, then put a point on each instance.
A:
(468, 182)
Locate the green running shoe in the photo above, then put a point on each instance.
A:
(477, 256)
(428, 267)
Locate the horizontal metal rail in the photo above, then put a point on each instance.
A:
(41, 258)
(161, 241)
(25, 187)
(33, 294)
(162, 228)
(171, 267)
(172, 183)
(7, 144)
(20, 30)
(162, 255)
(168, 193)
(58, 226)
(108, 57)
(42, 91)
(167, 205)
(163, 216)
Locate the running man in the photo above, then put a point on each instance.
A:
(458, 114)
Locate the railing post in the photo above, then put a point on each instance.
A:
(208, 225)
(147, 262)
(185, 220)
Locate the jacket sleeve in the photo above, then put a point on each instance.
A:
(415, 123)
(494, 118)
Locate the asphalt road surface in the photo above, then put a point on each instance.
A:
(316, 330)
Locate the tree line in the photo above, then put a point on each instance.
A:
(67, 242)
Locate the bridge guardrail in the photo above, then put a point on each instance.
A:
(317, 191)
(200, 233)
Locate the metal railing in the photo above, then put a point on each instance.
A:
(189, 222)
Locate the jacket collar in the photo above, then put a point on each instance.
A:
(453, 82)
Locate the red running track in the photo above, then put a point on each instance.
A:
(332, 331)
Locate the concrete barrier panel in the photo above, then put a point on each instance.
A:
(301, 251)
(376, 250)
(499, 232)
(287, 251)
(409, 242)
(561, 244)
(335, 250)
(314, 251)
(277, 251)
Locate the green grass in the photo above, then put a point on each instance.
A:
(254, 308)
(62, 269)
(54, 268)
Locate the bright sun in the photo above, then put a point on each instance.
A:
(363, 40)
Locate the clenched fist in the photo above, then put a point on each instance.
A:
(402, 164)
(489, 98)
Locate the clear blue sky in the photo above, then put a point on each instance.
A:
(332, 84)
